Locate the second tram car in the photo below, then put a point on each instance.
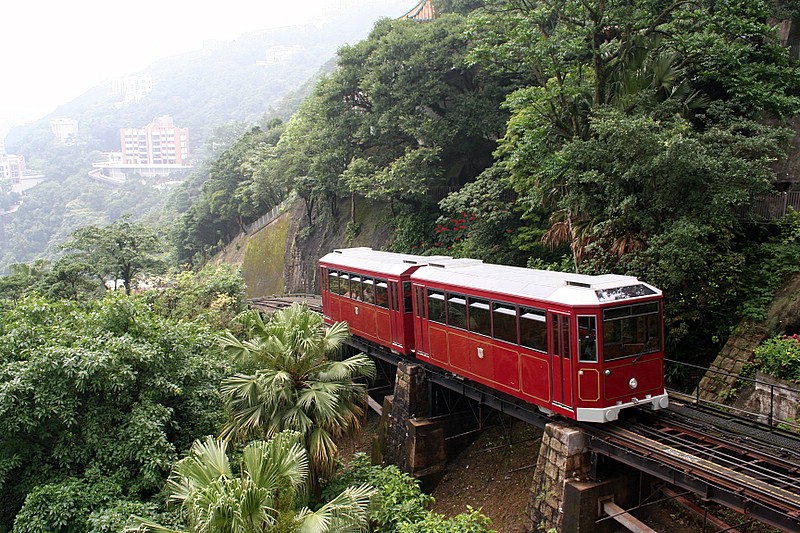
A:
(584, 347)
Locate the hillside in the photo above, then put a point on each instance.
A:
(216, 93)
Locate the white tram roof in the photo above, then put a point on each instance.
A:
(556, 287)
(389, 263)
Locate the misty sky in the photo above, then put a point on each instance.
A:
(53, 52)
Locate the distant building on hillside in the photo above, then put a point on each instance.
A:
(12, 166)
(158, 150)
(158, 143)
(65, 130)
(422, 11)
(132, 88)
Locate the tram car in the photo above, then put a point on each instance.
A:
(584, 347)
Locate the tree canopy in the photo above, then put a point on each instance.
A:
(103, 394)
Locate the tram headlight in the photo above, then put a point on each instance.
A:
(633, 383)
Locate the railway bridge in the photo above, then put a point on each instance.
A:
(590, 477)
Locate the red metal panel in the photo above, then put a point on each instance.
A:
(648, 372)
(437, 335)
(383, 330)
(535, 372)
(506, 366)
(459, 351)
(482, 359)
(588, 387)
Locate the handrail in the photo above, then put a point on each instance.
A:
(772, 420)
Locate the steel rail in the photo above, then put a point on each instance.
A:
(728, 449)
(764, 501)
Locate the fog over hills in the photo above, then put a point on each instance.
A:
(216, 92)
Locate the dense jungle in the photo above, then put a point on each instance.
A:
(138, 390)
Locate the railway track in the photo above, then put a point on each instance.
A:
(752, 476)
(274, 303)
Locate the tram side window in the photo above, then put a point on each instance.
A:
(331, 278)
(436, 307)
(368, 286)
(504, 318)
(631, 330)
(407, 297)
(533, 328)
(381, 293)
(480, 319)
(587, 339)
(457, 311)
(355, 288)
(344, 284)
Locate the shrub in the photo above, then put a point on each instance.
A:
(399, 499)
(779, 356)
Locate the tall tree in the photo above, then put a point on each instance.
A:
(122, 250)
(404, 112)
(293, 384)
(627, 129)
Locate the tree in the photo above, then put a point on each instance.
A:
(293, 384)
(628, 132)
(263, 497)
(403, 112)
(98, 392)
(122, 250)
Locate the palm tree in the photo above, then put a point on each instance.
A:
(294, 385)
(261, 498)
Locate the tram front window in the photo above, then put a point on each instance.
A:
(631, 330)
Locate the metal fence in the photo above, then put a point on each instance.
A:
(265, 219)
(775, 206)
(773, 394)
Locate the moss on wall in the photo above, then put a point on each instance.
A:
(263, 263)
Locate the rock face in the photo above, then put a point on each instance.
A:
(773, 398)
(783, 316)
(281, 258)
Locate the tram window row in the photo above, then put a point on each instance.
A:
(628, 330)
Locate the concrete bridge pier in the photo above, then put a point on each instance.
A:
(565, 498)
(411, 441)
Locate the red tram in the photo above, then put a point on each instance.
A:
(581, 346)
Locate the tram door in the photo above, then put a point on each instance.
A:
(396, 313)
(561, 359)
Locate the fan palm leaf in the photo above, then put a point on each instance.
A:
(262, 496)
(294, 385)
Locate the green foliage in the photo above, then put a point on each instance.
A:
(103, 389)
(122, 250)
(770, 263)
(292, 384)
(456, 6)
(470, 522)
(215, 294)
(480, 221)
(78, 505)
(399, 500)
(630, 129)
(263, 497)
(232, 191)
(400, 505)
(402, 113)
(779, 356)
(413, 234)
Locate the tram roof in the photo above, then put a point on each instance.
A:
(389, 263)
(556, 287)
